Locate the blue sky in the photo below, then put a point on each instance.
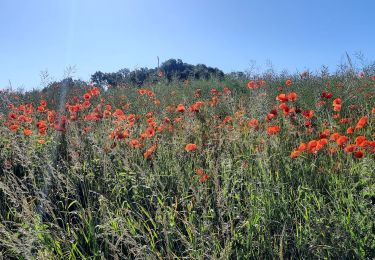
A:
(109, 35)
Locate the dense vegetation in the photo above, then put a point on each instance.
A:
(190, 167)
(170, 69)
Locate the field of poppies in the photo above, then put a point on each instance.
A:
(265, 168)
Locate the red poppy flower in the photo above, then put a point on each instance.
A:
(251, 84)
(288, 82)
(150, 151)
(226, 90)
(27, 132)
(350, 130)
(200, 172)
(271, 130)
(358, 154)
(292, 96)
(253, 122)
(41, 141)
(325, 133)
(190, 147)
(342, 140)
(148, 133)
(361, 122)
(311, 146)
(196, 106)
(14, 127)
(308, 114)
(180, 108)
(335, 136)
(135, 143)
(86, 96)
(337, 105)
(295, 154)
(282, 97)
(360, 140)
(302, 147)
(349, 148)
(142, 91)
(204, 178)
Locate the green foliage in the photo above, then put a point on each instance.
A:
(169, 70)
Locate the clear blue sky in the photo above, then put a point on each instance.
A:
(109, 35)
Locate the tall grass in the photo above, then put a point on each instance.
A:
(105, 200)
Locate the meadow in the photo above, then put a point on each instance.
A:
(262, 168)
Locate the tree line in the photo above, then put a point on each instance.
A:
(168, 70)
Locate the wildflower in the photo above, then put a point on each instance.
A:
(342, 140)
(41, 141)
(350, 148)
(118, 113)
(86, 96)
(323, 141)
(335, 136)
(150, 151)
(95, 91)
(251, 84)
(41, 109)
(288, 82)
(311, 146)
(214, 101)
(271, 130)
(135, 143)
(361, 122)
(292, 96)
(295, 154)
(148, 133)
(107, 113)
(282, 97)
(226, 90)
(359, 154)
(350, 130)
(345, 120)
(337, 104)
(253, 122)
(204, 178)
(214, 91)
(190, 147)
(308, 114)
(142, 91)
(180, 108)
(27, 132)
(227, 119)
(14, 127)
(302, 147)
(86, 104)
(325, 133)
(12, 115)
(200, 172)
(196, 106)
(122, 134)
(150, 93)
(360, 140)
(326, 95)
(261, 82)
